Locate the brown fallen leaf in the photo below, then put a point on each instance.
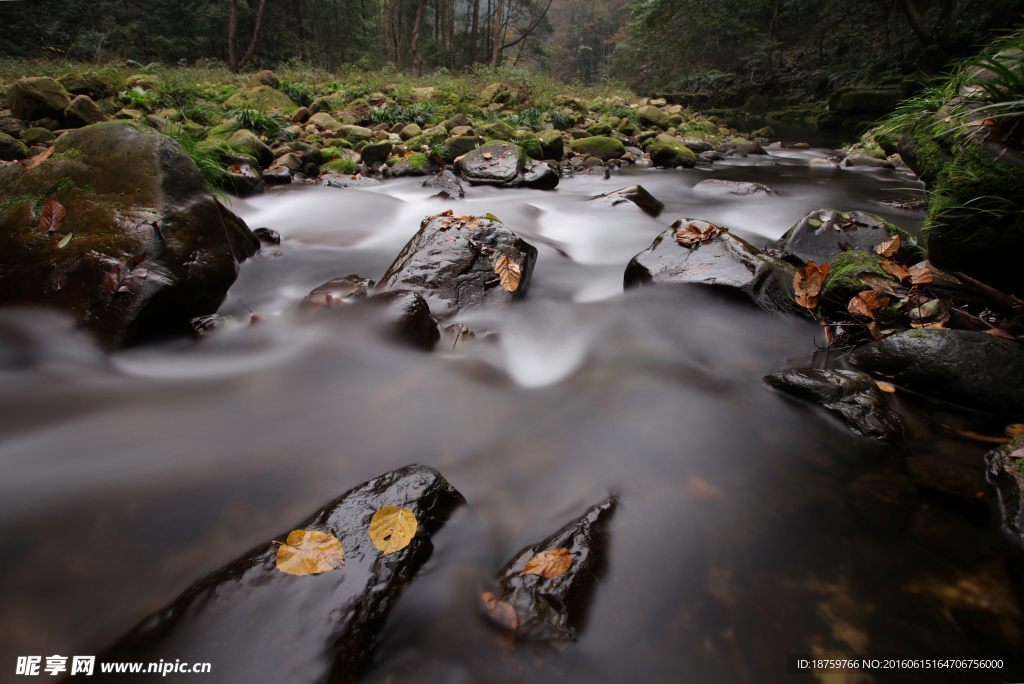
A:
(501, 613)
(859, 307)
(1015, 430)
(392, 528)
(487, 155)
(509, 272)
(867, 301)
(885, 386)
(696, 232)
(982, 438)
(308, 552)
(895, 270)
(235, 168)
(807, 284)
(552, 563)
(921, 276)
(889, 247)
(53, 216)
(38, 159)
(876, 330)
(126, 275)
(999, 332)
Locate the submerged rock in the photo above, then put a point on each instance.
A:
(258, 624)
(447, 182)
(971, 369)
(451, 262)
(634, 194)
(851, 396)
(534, 607)
(1006, 470)
(151, 249)
(267, 236)
(726, 187)
(817, 236)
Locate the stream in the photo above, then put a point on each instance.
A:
(749, 527)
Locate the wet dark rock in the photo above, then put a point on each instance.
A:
(338, 291)
(710, 157)
(634, 194)
(416, 165)
(1006, 472)
(554, 609)
(817, 235)
(971, 369)
(726, 187)
(540, 176)
(463, 144)
(12, 149)
(740, 146)
(203, 326)
(277, 175)
(242, 179)
(497, 163)
(244, 242)
(127, 193)
(267, 236)
(458, 273)
(259, 624)
(448, 182)
(349, 181)
(725, 261)
(851, 396)
(404, 316)
(247, 139)
(376, 152)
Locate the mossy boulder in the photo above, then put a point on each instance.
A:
(652, 116)
(600, 128)
(671, 154)
(325, 122)
(260, 150)
(602, 147)
(356, 134)
(417, 164)
(260, 97)
(975, 221)
(37, 136)
(11, 149)
(843, 281)
(32, 99)
(410, 131)
(376, 152)
(817, 235)
(265, 78)
(496, 93)
(224, 131)
(552, 144)
(91, 83)
(151, 247)
(499, 130)
(497, 163)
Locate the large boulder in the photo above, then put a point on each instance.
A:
(82, 112)
(671, 154)
(265, 78)
(452, 262)
(325, 122)
(446, 183)
(276, 615)
(818, 234)
(497, 163)
(552, 145)
(724, 261)
(36, 98)
(852, 397)
(602, 147)
(150, 248)
(259, 149)
(376, 152)
(652, 116)
(496, 92)
(742, 147)
(972, 369)
(463, 144)
(260, 97)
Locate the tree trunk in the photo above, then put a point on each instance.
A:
(497, 33)
(476, 22)
(232, 30)
(255, 35)
(417, 60)
(914, 19)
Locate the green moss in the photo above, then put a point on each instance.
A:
(343, 166)
(418, 161)
(599, 146)
(843, 283)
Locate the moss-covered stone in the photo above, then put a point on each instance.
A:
(653, 116)
(35, 98)
(600, 128)
(672, 154)
(499, 130)
(224, 131)
(843, 281)
(599, 146)
(259, 149)
(11, 149)
(260, 97)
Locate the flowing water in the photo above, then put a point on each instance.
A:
(749, 527)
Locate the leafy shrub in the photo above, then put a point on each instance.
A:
(301, 95)
(260, 121)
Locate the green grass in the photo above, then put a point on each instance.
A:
(260, 122)
(418, 113)
(209, 156)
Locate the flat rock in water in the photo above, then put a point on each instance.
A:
(971, 369)
(448, 182)
(1006, 470)
(338, 181)
(634, 194)
(853, 397)
(451, 263)
(497, 163)
(816, 237)
(727, 187)
(256, 623)
(551, 608)
(338, 291)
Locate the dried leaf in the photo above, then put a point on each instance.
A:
(874, 298)
(449, 238)
(501, 613)
(999, 332)
(859, 307)
(885, 386)
(807, 284)
(64, 243)
(38, 159)
(876, 330)
(126, 275)
(392, 528)
(895, 270)
(509, 272)
(830, 336)
(235, 168)
(1015, 430)
(487, 155)
(308, 552)
(53, 216)
(552, 563)
(877, 282)
(889, 247)
(696, 232)
(921, 276)
(983, 438)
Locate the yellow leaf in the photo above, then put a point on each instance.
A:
(1015, 430)
(392, 528)
(885, 386)
(549, 563)
(307, 552)
(983, 438)
(509, 272)
(889, 247)
(500, 612)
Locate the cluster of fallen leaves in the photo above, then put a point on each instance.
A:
(126, 275)
(547, 564)
(807, 284)
(696, 232)
(311, 552)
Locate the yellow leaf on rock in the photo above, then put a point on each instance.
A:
(549, 564)
(392, 528)
(889, 247)
(308, 552)
(885, 386)
(509, 272)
